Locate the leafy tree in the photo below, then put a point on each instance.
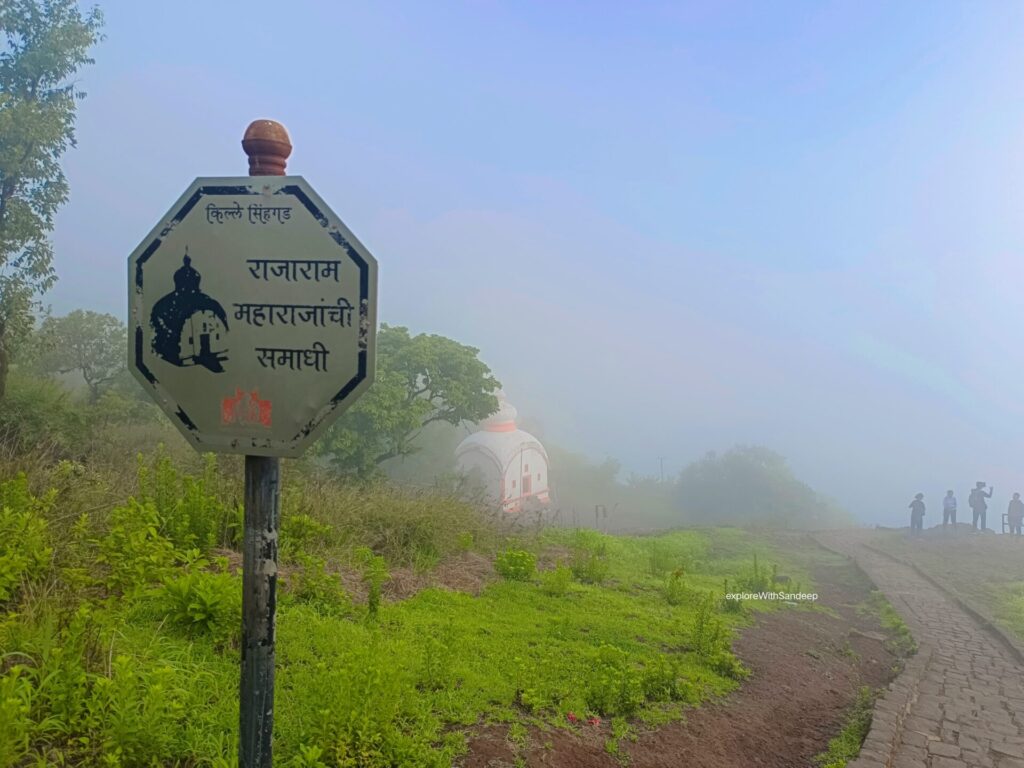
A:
(89, 343)
(46, 42)
(421, 380)
(751, 485)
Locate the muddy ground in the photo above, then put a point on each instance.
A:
(807, 667)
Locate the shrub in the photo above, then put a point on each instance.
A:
(675, 588)
(516, 565)
(134, 551)
(710, 641)
(438, 655)
(38, 412)
(615, 685)
(662, 681)
(556, 582)
(204, 603)
(589, 561)
(190, 511)
(730, 606)
(15, 716)
(659, 556)
(24, 550)
(375, 574)
(403, 525)
(136, 712)
(313, 585)
(301, 534)
(757, 580)
(367, 714)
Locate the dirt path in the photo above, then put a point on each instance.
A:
(967, 710)
(807, 669)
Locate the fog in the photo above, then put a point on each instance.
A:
(668, 229)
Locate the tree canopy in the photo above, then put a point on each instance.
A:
(46, 43)
(84, 342)
(421, 380)
(751, 485)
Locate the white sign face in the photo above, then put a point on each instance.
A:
(253, 315)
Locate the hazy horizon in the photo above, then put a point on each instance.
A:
(669, 228)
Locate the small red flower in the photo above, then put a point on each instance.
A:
(571, 717)
(595, 721)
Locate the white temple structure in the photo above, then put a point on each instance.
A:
(512, 464)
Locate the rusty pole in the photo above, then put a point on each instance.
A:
(267, 144)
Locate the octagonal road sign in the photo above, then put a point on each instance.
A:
(253, 315)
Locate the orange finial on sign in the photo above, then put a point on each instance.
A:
(267, 144)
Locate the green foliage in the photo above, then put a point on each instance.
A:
(730, 606)
(403, 525)
(557, 581)
(301, 534)
(24, 547)
(464, 541)
(903, 642)
(663, 680)
(516, 565)
(16, 724)
(589, 556)
(676, 591)
(420, 380)
(133, 550)
(312, 584)
(710, 640)
(616, 685)
(150, 677)
(37, 413)
(758, 579)
(751, 485)
(83, 342)
(134, 712)
(661, 557)
(45, 44)
(846, 746)
(375, 575)
(190, 510)
(438, 660)
(202, 602)
(366, 713)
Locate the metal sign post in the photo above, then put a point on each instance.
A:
(267, 145)
(253, 317)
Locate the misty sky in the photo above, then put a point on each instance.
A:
(669, 227)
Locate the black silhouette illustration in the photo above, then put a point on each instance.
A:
(189, 327)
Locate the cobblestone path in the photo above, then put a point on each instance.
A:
(960, 701)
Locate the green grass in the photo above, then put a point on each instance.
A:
(118, 640)
(846, 745)
(1008, 600)
(902, 642)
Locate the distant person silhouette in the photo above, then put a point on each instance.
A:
(1015, 514)
(917, 514)
(978, 504)
(949, 510)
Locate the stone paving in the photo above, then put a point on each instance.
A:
(960, 701)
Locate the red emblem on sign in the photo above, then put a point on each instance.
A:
(245, 408)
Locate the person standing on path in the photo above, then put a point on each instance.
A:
(1015, 514)
(917, 514)
(949, 510)
(978, 503)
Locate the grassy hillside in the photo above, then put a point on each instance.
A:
(405, 618)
